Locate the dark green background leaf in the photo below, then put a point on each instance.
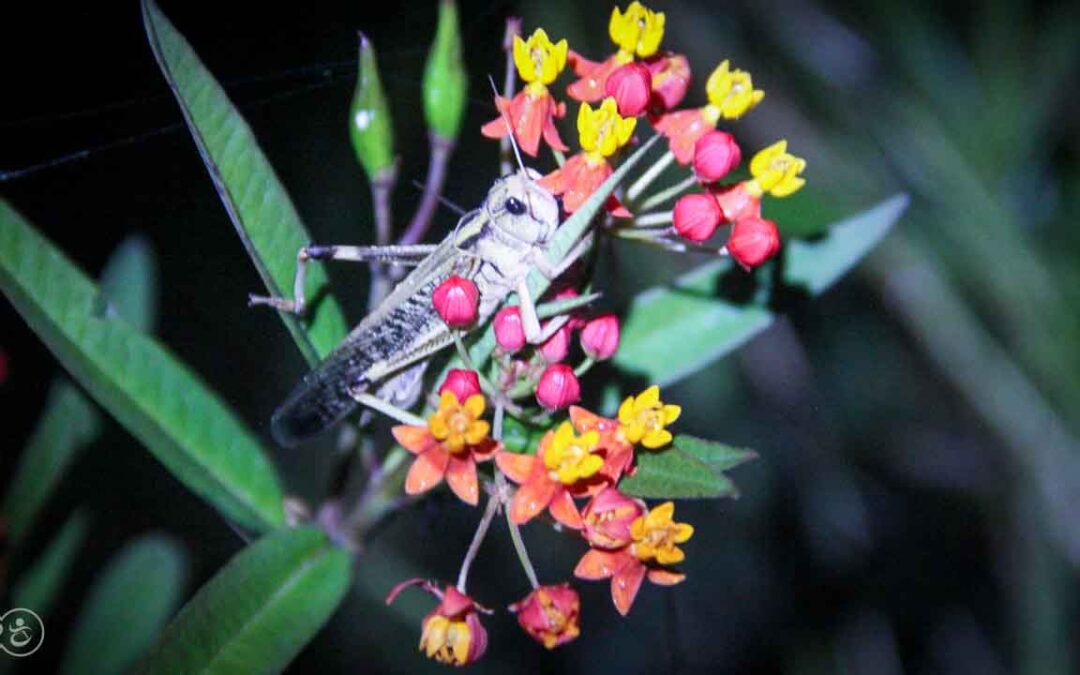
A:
(719, 456)
(39, 585)
(673, 474)
(130, 282)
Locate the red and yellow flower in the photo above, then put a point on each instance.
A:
(452, 632)
(565, 466)
(601, 133)
(731, 95)
(550, 614)
(454, 439)
(637, 32)
(653, 547)
(532, 112)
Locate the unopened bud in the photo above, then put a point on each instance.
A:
(509, 331)
(715, 155)
(457, 300)
(600, 337)
(558, 387)
(696, 216)
(462, 383)
(753, 241)
(446, 85)
(631, 87)
(370, 126)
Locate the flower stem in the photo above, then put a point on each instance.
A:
(646, 179)
(515, 533)
(441, 149)
(478, 538)
(588, 363)
(665, 195)
(653, 219)
(382, 189)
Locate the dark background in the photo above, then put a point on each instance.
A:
(897, 520)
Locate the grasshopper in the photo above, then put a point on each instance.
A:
(383, 358)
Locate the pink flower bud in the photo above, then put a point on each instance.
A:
(631, 86)
(608, 517)
(558, 345)
(753, 241)
(509, 331)
(457, 301)
(463, 383)
(736, 202)
(696, 216)
(558, 387)
(715, 155)
(550, 614)
(670, 79)
(600, 337)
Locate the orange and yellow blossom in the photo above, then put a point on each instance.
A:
(532, 112)
(451, 633)
(454, 439)
(637, 32)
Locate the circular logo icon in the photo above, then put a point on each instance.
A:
(21, 632)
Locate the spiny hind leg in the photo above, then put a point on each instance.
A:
(392, 255)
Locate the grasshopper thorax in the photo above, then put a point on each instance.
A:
(519, 208)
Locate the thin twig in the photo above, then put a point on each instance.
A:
(667, 193)
(646, 179)
(478, 538)
(441, 149)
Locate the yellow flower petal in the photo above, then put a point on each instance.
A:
(647, 398)
(626, 410)
(664, 512)
(525, 66)
(669, 556)
(683, 532)
(477, 432)
(657, 438)
(590, 465)
(671, 413)
(474, 405)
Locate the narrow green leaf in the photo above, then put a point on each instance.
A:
(708, 327)
(69, 423)
(673, 474)
(38, 587)
(166, 406)
(719, 456)
(130, 282)
(259, 610)
(257, 203)
(127, 606)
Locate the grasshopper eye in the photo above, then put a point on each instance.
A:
(514, 206)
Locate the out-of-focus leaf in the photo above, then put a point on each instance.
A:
(706, 327)
(255, 199)
(673, 474)
(179, 419)
(718, 456)
(69, 423)
(127, 606)
(130, 282)
(39, 585)
(259, 610)
(519, 436)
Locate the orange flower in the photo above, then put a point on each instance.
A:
(550, 614)
(454, 439)
(565, 466)
(451, 633)
(637, 32)
(618, 452)
(654, 538)
(683, 128)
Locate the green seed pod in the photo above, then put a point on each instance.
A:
(370, 125)
(446, 84)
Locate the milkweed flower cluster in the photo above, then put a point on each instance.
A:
(570, 467)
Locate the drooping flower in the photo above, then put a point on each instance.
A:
(601, 133)
(451, 633)
(776, 171)
(731, 95)
(558, 387)
(565, 465)
(600, 337)
(753, 241)
(696, 216)
(654, 539)
(550, 614)
(454, 439)
(457, 301)
(637, 32)
(643, 418)
(462, 383)
(532, 112)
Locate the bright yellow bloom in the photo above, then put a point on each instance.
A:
(603, 131)
(642, 418)
(538, 60)
(457, 425)
(638, 30)
(446, 640)
(776, 171)
(569, 458)
(655, 535)
(731, 93)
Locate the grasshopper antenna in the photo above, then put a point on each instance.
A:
(509, 129)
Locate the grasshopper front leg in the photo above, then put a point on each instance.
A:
(392, 255)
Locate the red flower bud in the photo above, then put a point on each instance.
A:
(736, 202)
(670, 80)
(558, 387)
(696, 216)
(608, 517)
(753, 241)
(631, 87)
(457, 301)
(715, 155)
(550, 614)
(600, 337)
(557, 346)
(509, 331)
(463, 383)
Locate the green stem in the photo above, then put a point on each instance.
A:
(646, 179)
(478, 538)
(502, 488)
(664, 195)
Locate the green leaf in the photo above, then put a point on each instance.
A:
(673, 474)
(707, 327)
(519, 436)
(157, 398)
(130, 282)
(69, 423)
(259, 610)
(39, 586)
(260, 209)
(718, 456)
(128, 605)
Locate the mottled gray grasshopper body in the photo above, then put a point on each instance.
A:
(495, 245)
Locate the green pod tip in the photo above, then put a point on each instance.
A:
(370, 126)
(446, 83)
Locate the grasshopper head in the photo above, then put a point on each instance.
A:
(522, 209)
